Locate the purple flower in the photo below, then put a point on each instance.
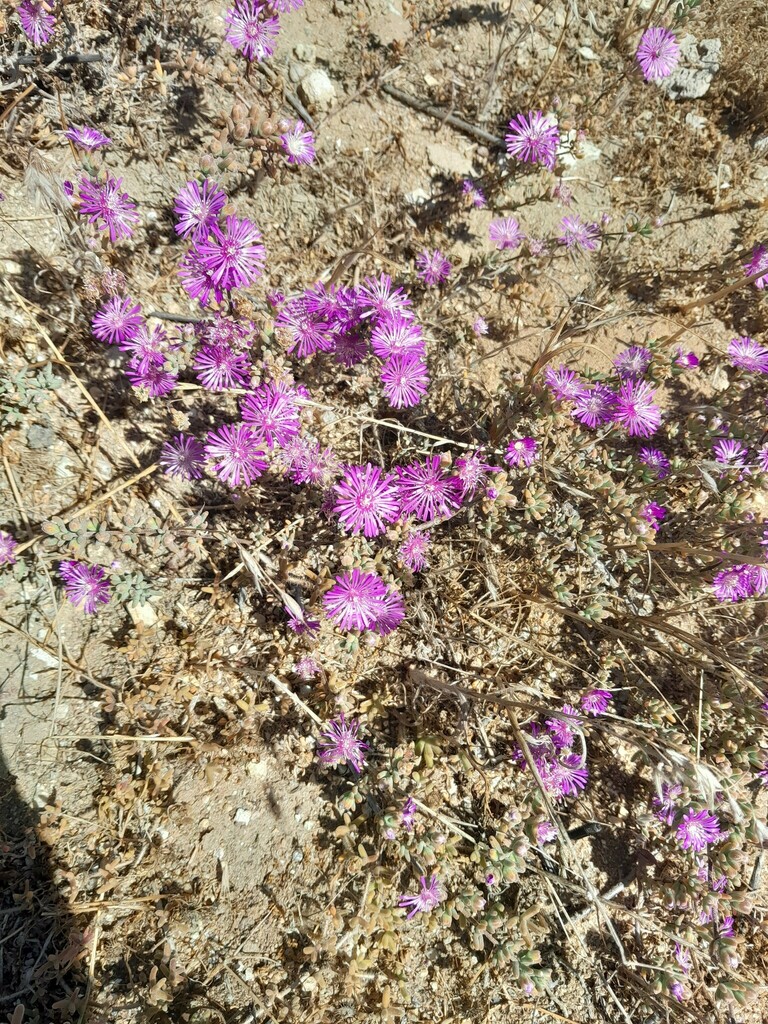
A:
(106, 206)
(413, 550)
(533, 138)
(298, 144)
(236, 453)
(271, 412)
(286, 6)
(153, 379)
(304, 333)
(408, 814)
(565, 385)
(633, 362)
(117, 321)
(426, 491)
(470, 470)
(595, 405)
(560, 728)
(665, 805)
(339, 744)
(198, 209)
(686, 360)
(730, 585)
(576, 234)
(506, 233)
(390, 614)
(7, 547)
(731, 453)
(566, 777)
(635, 409)
(147, 346)
(545, 832)
(252, 30)
(697, 830)
(354, 602)
(430, 894)
(677, 991)
(595, 702)
(183, 457)
(197, 279)
(758, 262)
(746, 354)
(658, 53)
(683, 957)
(762, 459)
(367, 500)
(36, 20)
(86, 585)
(653, 514)
(405, 380)
(433, 267)
(523, 451)
(655, 460)
(377, 296)
(234, 257)
(306, 668)
(397, 335)
(88, 139)
(220, 368)
(480, 326)
(474, 194)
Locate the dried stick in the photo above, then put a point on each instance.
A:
(441, 115)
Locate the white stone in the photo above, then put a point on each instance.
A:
(242, 816)
(317, 90)
(699, 63)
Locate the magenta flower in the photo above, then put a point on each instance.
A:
(426, 491)
(234, 257)
(377, 295)
(86, 586)
(697, 830)
(36, 20)
(565, 385)
(252, 30)
(286, 6)
(595, 405)
(656, 461)
(147, 346)
(197, 279)
(576, 234)
(522, 451)
(340, 744)
(413, 550)
(730, 585)
(390, 614)
(731, 453)
(153, 379)
(107, 207)
(7, 547)
(350, 349)
(303, 332)
(429, 896)
(271, 412)
(85, 138)
(117, 321)
(561, 729)
(683, 957)
(506, 233)
(653, 514)
(396, 335)
(480, 326)
(183, 457)
(298, 144)
(635, 409)
(666, 804)
(306, 668)
(354, 602)
(408, 814)
(677, 991)
(746, 354)
(219, 368)
(405, 380)
(433, 267)
(633, 362)
(470, 471)
(762, 459)
(566, 777)
(533, 138)
(474, 194)
(758, 262)
(198, 209)
(545, 832)
(595, 702)
(658, 53)
(236, 454)
(725, 928)
(686, 360)
(367, 500)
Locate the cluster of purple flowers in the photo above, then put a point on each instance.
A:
(350, 323)
(631, 406)
(738, 582)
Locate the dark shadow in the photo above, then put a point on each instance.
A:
(41, 947)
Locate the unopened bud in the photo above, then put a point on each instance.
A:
(268, 128)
